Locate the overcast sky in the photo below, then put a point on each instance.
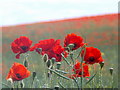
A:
(14, 12)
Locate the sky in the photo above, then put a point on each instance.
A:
(14, 12)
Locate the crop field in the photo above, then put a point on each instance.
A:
(97, 31)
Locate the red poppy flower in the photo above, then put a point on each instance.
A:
(78, 70)
(77, 41)
(21, 45)
(51, 47)
(92, 55)
(18, 72)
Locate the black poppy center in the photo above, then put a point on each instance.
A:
(18, 75)
(80, 73)
(24, 48)
(91, 59)
(57, 55)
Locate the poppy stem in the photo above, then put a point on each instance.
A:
(76, 83)
(61, 85)
(93, 81)
(71, 56)
(5, 85)
(100, 79)
(82, 66)
(65, 60)
(80, 52)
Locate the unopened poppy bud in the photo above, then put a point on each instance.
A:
(45, 57)
(53, 60)
(71, 46)
(56, 87)
(101, 64)
(58, 65)
(10, 80)
(48, 63)
(25, 63)
(34, 75)
(22, 84)
(111, 71)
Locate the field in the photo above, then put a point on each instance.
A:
(98, 31)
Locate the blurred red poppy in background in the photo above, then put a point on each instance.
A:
(79, 69)
(51, 47)
(92, 55)
(18, 72)
(21, 45)
(76, 41)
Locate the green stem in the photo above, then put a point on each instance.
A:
(76, 83)
(61, 85)
(5, 85)
(79, 53)
(100, 79)
(66, 60)
(82, 66)
(112, 82)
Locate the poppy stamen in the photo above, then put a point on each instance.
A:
(91, 59)
(24, 47)
(18, 75)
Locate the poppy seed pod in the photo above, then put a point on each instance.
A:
(111, 71)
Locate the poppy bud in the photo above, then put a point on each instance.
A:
(71, 46)
(101, 64)
(53, 60)
(25, 63)
(10, 80)
(45, 57)
(34, 75)
(111, 71)
(48, 63)
(56, 87)
(58, 65)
